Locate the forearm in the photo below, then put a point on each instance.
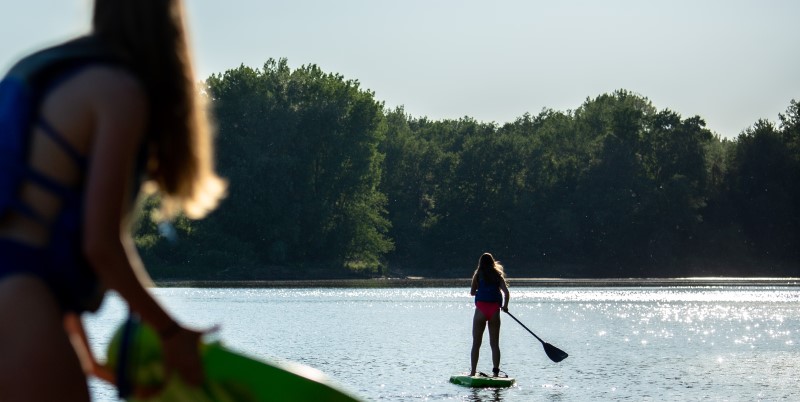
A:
(77, 336)
(80, 343)
(119, 267)
(474, 286)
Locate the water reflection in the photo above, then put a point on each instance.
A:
(486, 395)
(555, 392)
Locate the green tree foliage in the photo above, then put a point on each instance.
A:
(413, 165)
(300, 150)
(321, 176)
(616, 187)
(763, 186)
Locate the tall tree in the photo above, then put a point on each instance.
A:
(301, 151)
(763, 178)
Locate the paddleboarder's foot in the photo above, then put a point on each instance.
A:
(495, 372)
(472, 374)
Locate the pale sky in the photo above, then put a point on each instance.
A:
(730, 62)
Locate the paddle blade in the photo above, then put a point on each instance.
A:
(555, 354)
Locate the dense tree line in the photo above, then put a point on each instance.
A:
(325, 181)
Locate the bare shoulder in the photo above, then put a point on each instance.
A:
(120, 106)
(113, 86)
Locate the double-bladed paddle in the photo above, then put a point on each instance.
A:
(555, 354)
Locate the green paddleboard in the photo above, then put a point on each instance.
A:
(479, 381)
(230, 376)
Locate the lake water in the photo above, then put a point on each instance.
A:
(637, 344)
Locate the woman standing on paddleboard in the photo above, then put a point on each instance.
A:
(491, 292)
(122, 113)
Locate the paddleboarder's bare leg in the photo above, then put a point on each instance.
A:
(37, 361)
(494, 340)
(478, 326)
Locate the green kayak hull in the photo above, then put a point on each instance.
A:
(229, 376)
(482, 382)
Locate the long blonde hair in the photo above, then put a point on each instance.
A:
(152, 35)
(491, 270)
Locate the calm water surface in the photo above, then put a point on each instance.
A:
(637, 344)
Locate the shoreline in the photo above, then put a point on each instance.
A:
(421, 282)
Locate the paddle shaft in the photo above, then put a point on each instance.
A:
(523, 326)
(555, 354)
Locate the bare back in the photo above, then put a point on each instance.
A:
(72, 109)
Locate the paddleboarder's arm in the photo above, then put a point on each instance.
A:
(474, 289)
(506, 296)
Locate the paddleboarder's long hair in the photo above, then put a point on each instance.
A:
(491, 270)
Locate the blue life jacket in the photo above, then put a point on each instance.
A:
(488, 292)
(21, 93)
